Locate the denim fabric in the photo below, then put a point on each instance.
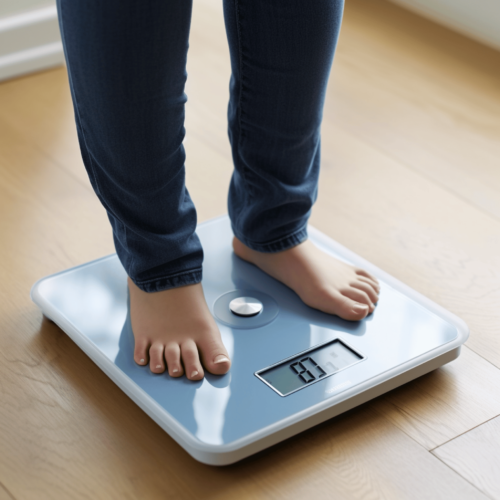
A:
(127, 70)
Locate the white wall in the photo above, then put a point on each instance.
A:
(479, 19)
(29, 37)
(12, 7)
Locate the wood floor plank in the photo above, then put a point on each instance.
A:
(431, 100)
(208, 174)
(4, 493)
(445, 403)
(475, 456)
(39, 107)
(50, 220)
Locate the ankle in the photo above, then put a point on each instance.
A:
(240, 249)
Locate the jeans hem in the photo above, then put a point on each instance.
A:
(279, 245)
(190, 277)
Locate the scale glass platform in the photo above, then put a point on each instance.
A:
(293, 367)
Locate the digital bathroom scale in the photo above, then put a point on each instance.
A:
(293, 367)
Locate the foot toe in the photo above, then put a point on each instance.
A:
(173, 359)
(374, 284)
(331, 301)
(350, 309)
(215, 357)
(191, 360)
(141, 348)
(366, 288)
(366, 274)
(358, 296)
(156, 358)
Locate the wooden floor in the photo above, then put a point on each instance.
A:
(410, 180)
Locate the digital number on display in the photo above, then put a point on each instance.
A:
(306, 374)
(308, 367)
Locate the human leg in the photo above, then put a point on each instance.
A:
(126, 64)
(281, 55)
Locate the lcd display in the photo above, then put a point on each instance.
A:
(309, 367)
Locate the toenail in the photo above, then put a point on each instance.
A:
(142, 361)
(360, 307)
(175, 370)
(194, 374)
(221, 359)
(158, 366)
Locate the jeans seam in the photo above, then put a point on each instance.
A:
(289, 236)
(169, 277)
(240, 97)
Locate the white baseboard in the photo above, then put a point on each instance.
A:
(29, 42)
(478, 19)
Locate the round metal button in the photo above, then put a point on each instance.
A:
(246, 306)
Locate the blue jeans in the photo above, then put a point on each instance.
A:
(127, 69)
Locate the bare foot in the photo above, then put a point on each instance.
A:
(174, 329)
(319, 279)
